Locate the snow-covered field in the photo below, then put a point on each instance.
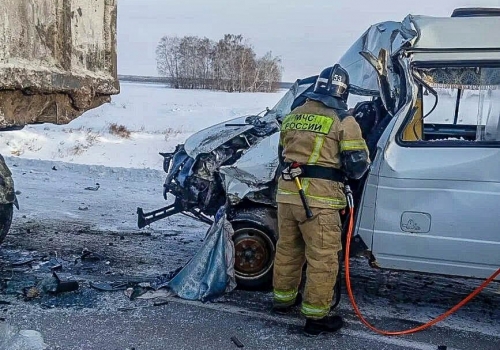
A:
(157, 118)
(150, 118)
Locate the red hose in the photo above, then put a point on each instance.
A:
(408, 331)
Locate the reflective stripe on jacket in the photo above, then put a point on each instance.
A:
(314, 134)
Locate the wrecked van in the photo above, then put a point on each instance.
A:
(426, 92)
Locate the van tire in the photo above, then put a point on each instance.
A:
(255, 237)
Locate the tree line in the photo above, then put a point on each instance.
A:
(230, 64)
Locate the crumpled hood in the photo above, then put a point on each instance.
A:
(206, 140)
(253, 171)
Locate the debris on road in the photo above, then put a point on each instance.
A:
(152, 294)
(161, 303)
(23, 262)
(14, 338)
(87, 255)
(49, 285)
(135, 292)
(210, 273)
(108, 287)
(93, 188)
(237, 342)
(57, 267)
(64, 286)
(31, 293)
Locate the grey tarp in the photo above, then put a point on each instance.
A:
(210, 273)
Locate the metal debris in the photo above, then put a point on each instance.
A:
(127, 308)
(64, 286)
(90, 256)
(51, 285)
(93, 188)
(237, 342)
(135, 292)
(107, 287)
(57, 267)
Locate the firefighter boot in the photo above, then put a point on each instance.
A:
(283, 310)
(326, 324)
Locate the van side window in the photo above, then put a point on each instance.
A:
(466, 111)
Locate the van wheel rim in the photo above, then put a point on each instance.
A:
(254, 253)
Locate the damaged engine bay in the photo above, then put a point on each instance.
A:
(196, 182)
(232, 164)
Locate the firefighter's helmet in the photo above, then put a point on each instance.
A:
(331, 88)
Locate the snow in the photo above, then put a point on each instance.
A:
(157, 117)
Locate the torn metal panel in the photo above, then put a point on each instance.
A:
(57, 59)
(205, 141)
(369, 61)
(253, 171)
(391, 36)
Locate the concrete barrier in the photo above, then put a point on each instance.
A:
(57, 59)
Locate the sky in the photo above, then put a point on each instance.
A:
(307, 35)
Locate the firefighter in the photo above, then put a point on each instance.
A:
(321, 144)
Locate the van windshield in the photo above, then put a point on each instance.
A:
(284, 105)
(468, 102)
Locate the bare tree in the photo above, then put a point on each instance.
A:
(229, 64)
(168, 58)
(270, 71)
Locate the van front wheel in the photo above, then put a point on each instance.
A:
(255, 245)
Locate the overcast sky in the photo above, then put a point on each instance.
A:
(307, 34)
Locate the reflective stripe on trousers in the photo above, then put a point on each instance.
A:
(285, 296)
(311, 311)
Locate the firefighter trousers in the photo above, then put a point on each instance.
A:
(316, 241)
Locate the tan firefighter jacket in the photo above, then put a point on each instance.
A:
(314, 134)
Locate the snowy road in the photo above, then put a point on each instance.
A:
(59, 218)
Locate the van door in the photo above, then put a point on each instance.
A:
(437, 205)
